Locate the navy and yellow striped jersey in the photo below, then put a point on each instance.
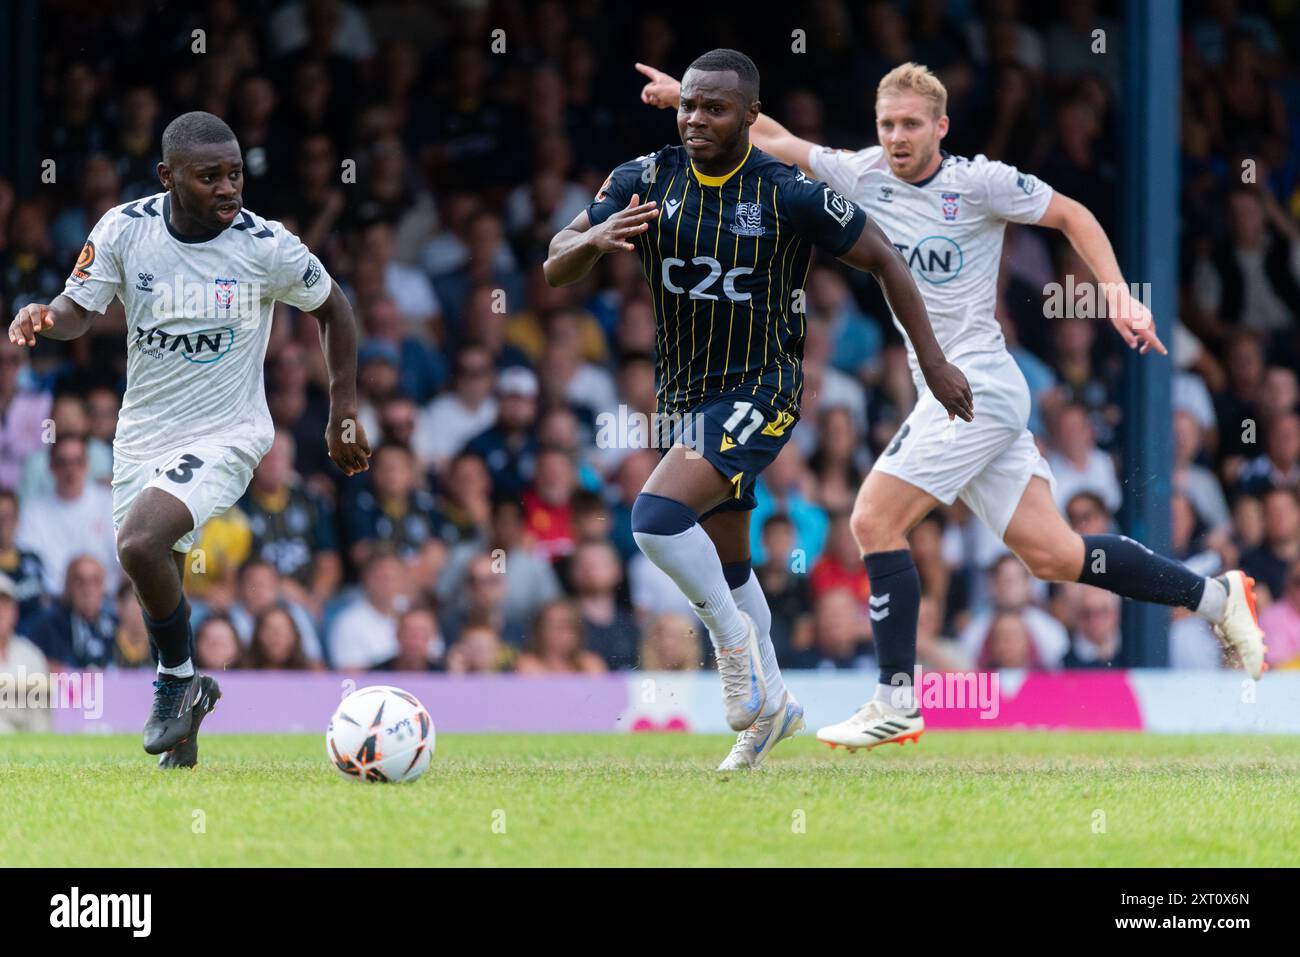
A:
(727, 260)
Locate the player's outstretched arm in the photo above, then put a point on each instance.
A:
(577, 246)
(665, 92)
(874, 253)
(61, 319)
(344, 436)
(1129, 316)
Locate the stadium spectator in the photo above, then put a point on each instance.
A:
(410, 303)
(421, 371)
(466, 499)
(27, 266)
(840, 565)
(77, 517)
(509, 445)
(1195, 481)
(530, 579)
(484, 325)
(364, 632)
(68, 417)
(785, 584)
(608, 629)
(1281, 623)
(478, 650)
(448, 422)
(276, 643)
(23, 668)
(1011, 591)
(131, 645)
(419, 643)
(80, 631)
(783, 489)
(1095, 635)
(292, 527)
(1237, 406)
(1252, 280)
(1007, 643)
(1267, 563)
(1279, 464)
(555, 645)
(216, 645)
(670, 643)
(21, 566)
(548, 515)
(935, 651)
(1081, 383)
(840, 462)
(938, 579)
(855, 340)
(396, 512)
(1088, 515)
(23, 411)
(261, 588)
(1077, 463)
(485, 595)
(841, 638)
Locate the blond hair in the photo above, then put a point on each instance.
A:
(915, 78)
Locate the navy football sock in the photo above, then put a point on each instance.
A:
(895, 602)
(170, 636)
(1119, 564)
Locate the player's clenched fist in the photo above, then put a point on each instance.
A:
(348, 447)
(30, 320)
(613, 234)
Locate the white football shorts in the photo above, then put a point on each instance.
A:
(207, 478)
(987, 462)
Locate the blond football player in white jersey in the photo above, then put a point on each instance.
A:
(946, 215)
(198, 276)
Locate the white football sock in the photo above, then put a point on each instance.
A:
(690, 559)
(1214, 601)
(897, 698)
(183, 670)
(751, 600)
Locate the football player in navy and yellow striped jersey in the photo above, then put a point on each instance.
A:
(725, 234)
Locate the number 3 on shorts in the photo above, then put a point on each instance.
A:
(183, 470)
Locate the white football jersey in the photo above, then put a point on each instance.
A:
(199, 316)
(949, 229)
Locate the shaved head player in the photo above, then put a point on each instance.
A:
(198, 276)
(725, 234)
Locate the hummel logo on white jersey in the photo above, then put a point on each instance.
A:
(671, 205)
(879, 607)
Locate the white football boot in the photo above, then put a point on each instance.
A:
(756, 742)
(1239, 632)
(873, 725)
(744, 690)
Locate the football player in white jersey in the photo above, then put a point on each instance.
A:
(198, 276)
(946, 215)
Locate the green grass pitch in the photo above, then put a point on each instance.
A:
(957, 799)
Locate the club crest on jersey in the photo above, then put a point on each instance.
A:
(749, 219)
(950, 206)
(837, 207)
(226, 292)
